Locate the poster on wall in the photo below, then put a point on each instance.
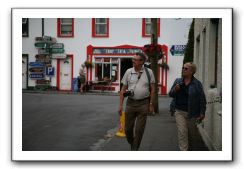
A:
(85, 125)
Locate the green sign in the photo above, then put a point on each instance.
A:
(57, 50)
(58, 46)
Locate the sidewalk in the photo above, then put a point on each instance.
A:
(160, 135)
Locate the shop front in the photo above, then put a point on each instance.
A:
(109, 65)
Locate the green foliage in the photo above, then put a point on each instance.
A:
(88, 64)
(189, 51)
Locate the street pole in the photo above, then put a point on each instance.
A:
(154, 61)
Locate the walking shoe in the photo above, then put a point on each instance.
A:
(133, 148)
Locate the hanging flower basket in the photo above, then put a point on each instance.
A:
(88, 64)
(152, 50)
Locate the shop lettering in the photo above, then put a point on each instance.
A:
(116, 51)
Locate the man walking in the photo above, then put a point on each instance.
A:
(138, 86)
(189, 105)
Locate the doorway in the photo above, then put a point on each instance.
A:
(125, 63)
(65, 73)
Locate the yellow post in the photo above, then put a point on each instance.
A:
(121, 132)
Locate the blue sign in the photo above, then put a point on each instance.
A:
(177, 50)
(49, 71)
(36, 75)
(36, 64)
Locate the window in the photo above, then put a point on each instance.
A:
(100, 27)
(114, 71)
(214, 52)
(146, 27)
(65, 27)
(25, 27)
(106, 68)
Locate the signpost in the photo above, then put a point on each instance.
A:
(48, 49)
(177, 50)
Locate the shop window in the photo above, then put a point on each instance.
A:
(114, 72)
(98, 71)
(25, 27)
(106, 68)
(146, 27)
(100, 27)
(65, 27)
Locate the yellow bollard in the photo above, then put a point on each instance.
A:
(121, 132)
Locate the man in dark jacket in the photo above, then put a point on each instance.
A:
(189, 104)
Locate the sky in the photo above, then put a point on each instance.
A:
(5, 85)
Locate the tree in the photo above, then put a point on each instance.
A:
(189, 51)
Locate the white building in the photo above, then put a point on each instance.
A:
(107, 43)
(208, 57)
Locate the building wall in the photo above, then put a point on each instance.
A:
(121, 31)
(175, 32)
(35, 29)
(208, 57)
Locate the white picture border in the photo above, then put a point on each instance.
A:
(19, 155)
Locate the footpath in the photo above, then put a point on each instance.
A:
(160, 135)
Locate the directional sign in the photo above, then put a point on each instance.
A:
(40, 45)
(36, 69)
(59, 56)
(58, 45)
(36, 76)
(177, 50)
(57, 50)
(36, 64)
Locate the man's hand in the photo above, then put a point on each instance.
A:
(151, 109)
(177, 87)
(120, 111)
(200, 118)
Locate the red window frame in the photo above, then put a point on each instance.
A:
(144, 28)
(59, 29)
(94, 30)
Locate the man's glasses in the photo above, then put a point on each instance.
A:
(185, 68)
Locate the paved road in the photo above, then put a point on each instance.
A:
(68, 122)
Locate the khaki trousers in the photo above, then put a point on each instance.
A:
(135, 115)
(188, 133)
